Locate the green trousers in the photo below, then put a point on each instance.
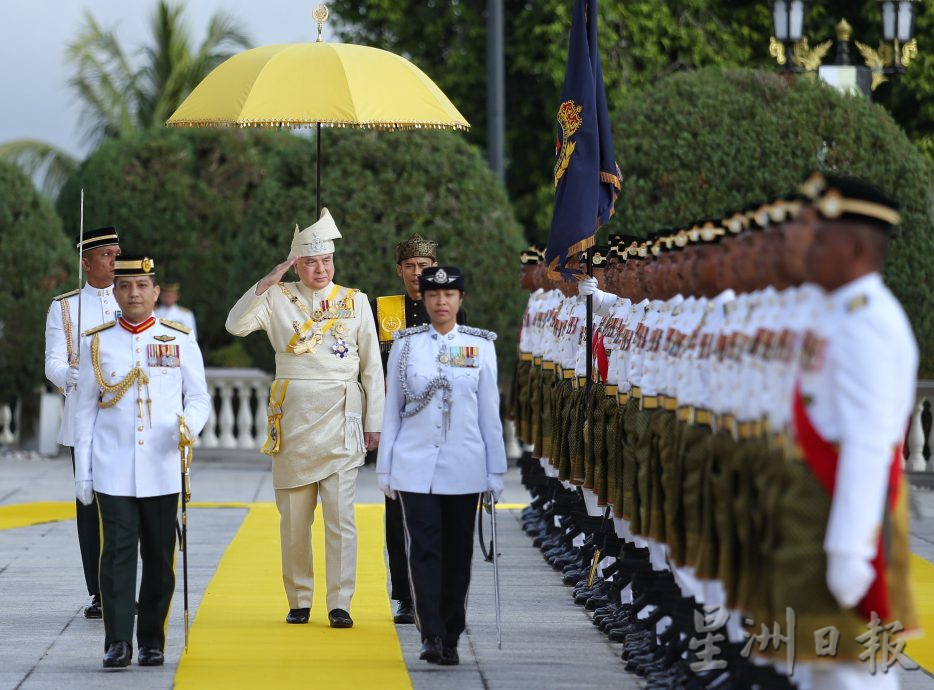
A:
(131, 526)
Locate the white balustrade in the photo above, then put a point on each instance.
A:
(225, 419)
(208, 437)
(6, 425)
(230, 430)
(916, 440)
(245, 438)
(262, 398)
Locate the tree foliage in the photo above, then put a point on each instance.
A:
(700, 144)
(217, 209)
(641, 41)
(37, 262)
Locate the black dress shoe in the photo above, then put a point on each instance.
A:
(150, 656)
(340, 619)
(405, 614)
(449, 657)
(93, 610)
(118, 655)
(297, 616)
(431, 649)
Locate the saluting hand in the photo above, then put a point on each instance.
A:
(274, 276)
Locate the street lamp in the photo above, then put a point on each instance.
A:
(788, 19)
(898, 47)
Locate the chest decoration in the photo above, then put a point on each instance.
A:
(163, 356)
(322, 323)
(416, 402)
(467, 357)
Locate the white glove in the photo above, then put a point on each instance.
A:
(587, 286)
(383, 481)
(71, 378)
(84, 491)
(848, 578)
(494, 484)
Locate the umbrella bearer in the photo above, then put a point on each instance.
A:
(141, 375)
(395, 313)
(325, 410)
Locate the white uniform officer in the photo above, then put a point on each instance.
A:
(93, 304)
(442, 446)
(139, 375)
(170, 309)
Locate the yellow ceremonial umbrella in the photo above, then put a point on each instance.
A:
(304, 84)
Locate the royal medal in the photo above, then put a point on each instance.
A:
(443, 358)
(340, 348)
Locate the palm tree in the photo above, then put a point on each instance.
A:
(121, 94)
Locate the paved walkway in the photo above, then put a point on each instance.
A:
(45, 642)
(547, 641)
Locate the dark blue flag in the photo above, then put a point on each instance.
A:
(587, 179)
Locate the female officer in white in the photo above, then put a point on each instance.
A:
(442, 445)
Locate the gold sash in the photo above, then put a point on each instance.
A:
(274, 416)
(328, 325)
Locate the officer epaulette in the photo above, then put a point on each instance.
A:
(176, 325)
(857, 303)
(102, 327)
(67, 294)
(405, 332)
(479, 332)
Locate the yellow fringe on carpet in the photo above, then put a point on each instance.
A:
(240, 638)
(28, 514)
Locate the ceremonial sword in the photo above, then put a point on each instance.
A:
(491, 506)
(75, 356)
(185, 455)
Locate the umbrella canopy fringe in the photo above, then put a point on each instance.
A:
(312, 123)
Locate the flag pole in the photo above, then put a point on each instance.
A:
(589, 362)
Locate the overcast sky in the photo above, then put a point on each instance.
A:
(35, 100)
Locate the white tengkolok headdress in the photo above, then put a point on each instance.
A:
(316, 239)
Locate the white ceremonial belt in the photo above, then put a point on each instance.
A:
(312, 367)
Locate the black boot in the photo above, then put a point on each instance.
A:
(118, 655)
(431, 649)
(405, 614)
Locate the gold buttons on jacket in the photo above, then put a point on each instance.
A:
(139, 428)
(140, 442)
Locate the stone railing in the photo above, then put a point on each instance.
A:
(919, 442)
(238, 418)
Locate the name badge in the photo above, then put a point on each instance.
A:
(164, 356)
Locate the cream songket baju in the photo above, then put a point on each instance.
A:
(328, 390)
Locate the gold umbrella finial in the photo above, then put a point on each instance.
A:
(844, 30)
(320, 14)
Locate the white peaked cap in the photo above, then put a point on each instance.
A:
(316, 239)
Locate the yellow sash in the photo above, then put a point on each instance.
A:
(390, 316)
(328, 325)
(274, 416)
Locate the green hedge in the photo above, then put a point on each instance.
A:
(37, 262)
(217, 209)
(701, 143)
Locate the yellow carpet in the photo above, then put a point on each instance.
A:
(27, 514)
(240, 639)
(922, 582)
